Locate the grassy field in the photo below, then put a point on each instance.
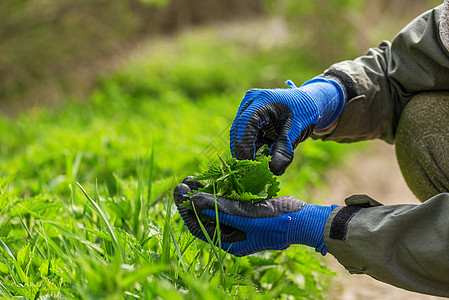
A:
(86, 188)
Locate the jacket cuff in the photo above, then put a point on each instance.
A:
(336, 227)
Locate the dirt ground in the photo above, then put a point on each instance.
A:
(377, 174)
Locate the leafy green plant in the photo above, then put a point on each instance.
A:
(242, 180)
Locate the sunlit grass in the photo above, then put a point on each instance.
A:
(86, 190)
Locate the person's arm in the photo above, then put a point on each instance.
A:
(379, 85)
(403, 245)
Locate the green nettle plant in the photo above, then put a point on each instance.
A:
(241, 180)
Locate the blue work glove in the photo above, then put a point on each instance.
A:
(247, 228)
(282, 118)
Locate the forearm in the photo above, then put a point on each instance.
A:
(403, 245)
(379, 84)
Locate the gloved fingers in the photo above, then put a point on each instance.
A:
(243, 134)
(247, 100)
(249, 247)
(248, 128)
(264, 209)
(283, 147)
(245, 228)
(181, 192)
(192, 184)
(230, 232)
(189, 217)
(227, 233)
(239, 223)
(282, 150)
(305, 134)
(204, 204)
(238, 249)
(259, 125)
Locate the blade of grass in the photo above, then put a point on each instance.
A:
(87, 243)
(150, 174)
(22, 276)
(59, 253)
(204, 231)
(190, 242)
(147, 199)
(196, 256)
(218, 232)
(175, 243)
(5, 247)
(99, 211)
(140, 274)
(5, 290)
(171, 278)
(72, 168)
(139, 205)
(16, 280)
(46, 242)
(3, 212)
(28, 232)
(165, 255)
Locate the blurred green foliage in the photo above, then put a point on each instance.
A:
(324, 26)
(45, 39)
(161, 117)
(53, 48)
(50, 48)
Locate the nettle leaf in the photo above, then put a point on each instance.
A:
(263, 151)
(240, 164)
(4, 268)
(257, 261)
(187, 204)
(242, 180)
(44, 268)
(259, 181)
(23, 256)
(246, 197)
(213, 173)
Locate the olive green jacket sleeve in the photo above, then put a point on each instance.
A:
(379, 84)
(403, 245)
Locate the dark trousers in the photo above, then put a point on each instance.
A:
(422, 144)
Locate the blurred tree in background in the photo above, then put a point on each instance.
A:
(51, 49)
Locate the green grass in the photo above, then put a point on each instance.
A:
(85, 189)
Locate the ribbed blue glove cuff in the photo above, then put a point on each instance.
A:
(329, 97)
(307, 226)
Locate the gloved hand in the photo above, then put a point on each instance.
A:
(282, 118)
(247, 228)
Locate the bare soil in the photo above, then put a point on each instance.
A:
(377, 174)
